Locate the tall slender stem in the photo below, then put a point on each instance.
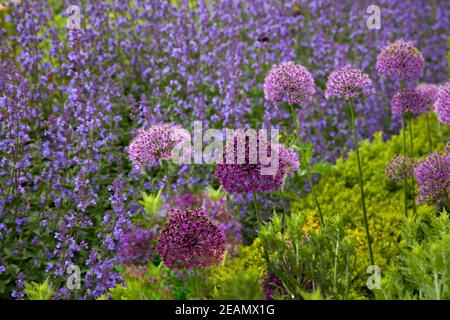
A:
(405, 181)
(361, 184)
(430, 141)
(413, 186)
(196, 282)
(169, 185)
(283, 218)
(306, 164)
(258, 217)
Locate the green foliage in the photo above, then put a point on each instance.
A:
(152, 203)
(309, 261)
(423, 269)
(338, 193)
(238, 277)
(152, 283)
(39, 291)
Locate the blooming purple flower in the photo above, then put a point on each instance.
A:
(190, 239)
(136, 247)
(156, 143)
(442, 105)
(248, 177)
(400, 168)
(289, 82)
(408, 100)
(433, 176)
(348, 82)
(429, 92)
(400, 60)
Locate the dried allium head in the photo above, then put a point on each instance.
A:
(289, 82)
(408, 101)
(152, 145)
(348, 82)
(442, 105)
(136, 247)
(400, 168)
(248, 177)
(400, 60)
(190, 239)
(433, 177)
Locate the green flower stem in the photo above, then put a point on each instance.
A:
(405, 181)
(413, 186)
(258, 217)
(283, 218)
(361, 184)
(430, 141)
(196, 282)
(169, 185)
(306, 164)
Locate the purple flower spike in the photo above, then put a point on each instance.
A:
(190, 239)
(289, 82)
(442, 105)
(136, 247)
(400, 60)
(348, 82)
(433, 177)
(156, 143)
(409, 100)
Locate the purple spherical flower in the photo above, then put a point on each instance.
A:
(136, 247)
(250, 176)
(289, 82)
(442, 105)
(400, 168)
(400, 60)
(408, 100)
(348, 82)
(190, 239)
(433, 177)
(429, 92)
(156, 143)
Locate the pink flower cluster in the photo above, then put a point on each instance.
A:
(348, 82)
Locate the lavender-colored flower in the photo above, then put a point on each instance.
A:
(136, 247)
(248, 177)
(348, 82)
(442, 105)
(429, 92)
(289, 82)
(400, 60)
(156, 143)
(408, 100)
(400, 168)
(433, 176)
(190, 239)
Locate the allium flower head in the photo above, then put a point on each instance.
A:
(190, 239)
(136, 247)
(289, 82)
(442, 105)
(433, 177)
(348, 82)
(156, 143)
(400, 168)
(408, 100)
(248, 177)
(429, 92)
(400, 60)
